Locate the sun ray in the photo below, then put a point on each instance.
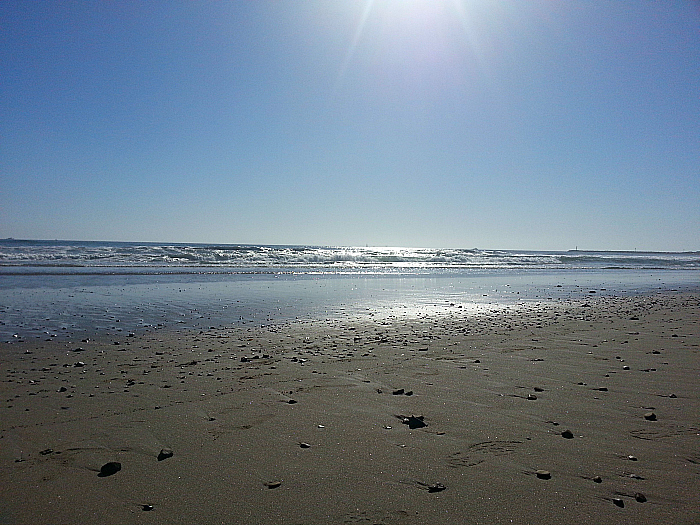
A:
(354, 42)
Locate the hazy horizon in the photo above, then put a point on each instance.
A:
(409, 123)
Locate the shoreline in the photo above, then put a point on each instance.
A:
(322, 421)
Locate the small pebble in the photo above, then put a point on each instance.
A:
(304, 445)
(110, 468)
(567, 434)
(146, 507)
(543, 474)
(618, 502)
(165, 453)
(597, 479)
(273, 484)
(650, 416)
(641, 498)
(531, 397)
(437, 487)
(632, 458)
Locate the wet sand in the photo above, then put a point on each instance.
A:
(569, 413)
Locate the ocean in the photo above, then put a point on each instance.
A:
(70, 288)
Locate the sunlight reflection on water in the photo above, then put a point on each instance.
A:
(55, 305)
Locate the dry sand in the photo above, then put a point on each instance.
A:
(307, 423)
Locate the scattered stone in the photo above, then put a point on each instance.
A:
(597, 479)
(625, 367)
(46, 452)
(538, 389)
(78, 364)
(567, 434)
(437, 487)
(147, 507)
(641, 498)
(165, 453)
(304, 445)
(650, 416)
(531, 397)
(543, 474)
(292, 401)
(672, 396)
(618, 502)
(398, 392)
(413, 422)
(632, 458)
(272, 484)
(109, 468)
(408, 393)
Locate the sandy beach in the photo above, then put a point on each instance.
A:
(581, 412)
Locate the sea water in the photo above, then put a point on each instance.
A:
(69, 288)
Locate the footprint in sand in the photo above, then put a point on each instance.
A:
(480, 452)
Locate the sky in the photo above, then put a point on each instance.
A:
(425, 123)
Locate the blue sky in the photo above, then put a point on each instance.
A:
(426, 123)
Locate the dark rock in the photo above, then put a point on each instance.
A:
(147, 507)
(437, 487)
(414, 422)
(543, 474)
(641, 498)
(165, 453)
(398, 392)
(650, 416)
(567, 434)
(109, 468)
(618, 502)
(597, 479)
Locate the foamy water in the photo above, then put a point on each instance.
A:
(62, 289)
